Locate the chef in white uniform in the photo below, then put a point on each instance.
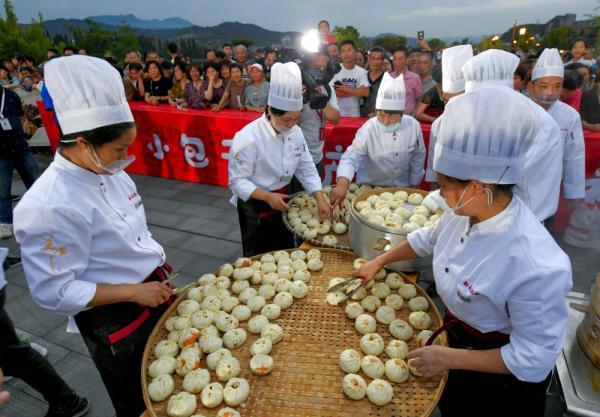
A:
(85, 244)
(499, 272)
(539, 187)
(545, 87)
(264, 156)
(388, 149)
(453, 84)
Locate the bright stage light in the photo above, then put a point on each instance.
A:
(310, 42)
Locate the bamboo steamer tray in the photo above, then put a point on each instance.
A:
(588, 331)
(306, 380)
(343, 240)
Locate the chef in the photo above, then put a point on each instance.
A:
(453, 84)
(539, 187)
(545, 87)
(85, 244)
(499, 272)
(264, 156)
(388, 149)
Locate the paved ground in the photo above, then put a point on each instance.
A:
(199, 230)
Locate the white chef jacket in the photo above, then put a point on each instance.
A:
(542, 170)
(311, 122)
(504, 274)
(386, 159)
(429, 172)
(262, 158)
(569, 122)
(78, 229)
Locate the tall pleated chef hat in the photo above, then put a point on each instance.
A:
(548, 64)
(87, 93)
(453, 59)
(285, 91)
(483, 136)
(391, 94)
(492, 67)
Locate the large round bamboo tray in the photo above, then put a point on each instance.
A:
(343, 240)
(306, 380)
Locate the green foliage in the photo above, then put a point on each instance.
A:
(436, 44)
(559, 37)
(29, 41)
(349, 33)
(101, 42)
(242, 41)
(390, 42)
(492, 42)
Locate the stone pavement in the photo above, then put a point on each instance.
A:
(199, 231)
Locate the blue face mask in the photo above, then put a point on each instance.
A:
(391, 128)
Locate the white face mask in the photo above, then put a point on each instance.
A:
(112, 168)
(391, 128)
(281, 129)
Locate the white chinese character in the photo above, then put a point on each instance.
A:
(331, 168)
(226, 143)
(157, 148)
(195, 154)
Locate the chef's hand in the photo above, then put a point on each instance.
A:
(338, 193)
(4, 395)
(368, 270)
(277, 201)
(430, 361)
(324, 210)
(151, 294)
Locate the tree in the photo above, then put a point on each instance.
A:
(349, 33)
(492, 42)
(436, 44)
(559, 37)
(390, 42)
(29, 40)
(100, 42)
(242, 41)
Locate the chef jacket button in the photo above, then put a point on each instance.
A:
(462, 240)
(446, 269)
(140, 239)
(124, 215)
(396, 154)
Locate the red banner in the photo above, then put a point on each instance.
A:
(193, 145)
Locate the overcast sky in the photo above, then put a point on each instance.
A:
(438, 18)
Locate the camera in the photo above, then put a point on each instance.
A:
(312, 78)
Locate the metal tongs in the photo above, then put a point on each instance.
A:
(176, 291)
(342, 286)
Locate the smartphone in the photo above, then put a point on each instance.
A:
(421, 34)
(338, 83)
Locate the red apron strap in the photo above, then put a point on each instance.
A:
(130, 328)
(452, 320)
(159, 274)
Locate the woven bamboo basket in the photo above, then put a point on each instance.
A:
(343, 240)
(306, 380)
(588, 332)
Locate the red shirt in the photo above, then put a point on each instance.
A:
(575, 100)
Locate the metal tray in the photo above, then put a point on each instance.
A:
(575, 369)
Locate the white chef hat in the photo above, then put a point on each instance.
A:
(549, 64)
(492, 67)
(453, 80)
(483, 136)
(391, 93)
(285, 91)
(87, 93)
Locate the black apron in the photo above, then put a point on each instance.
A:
(472, 393)
(116, 335)
(262, 227)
